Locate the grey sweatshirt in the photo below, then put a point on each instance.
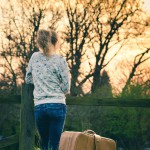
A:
(50, 76)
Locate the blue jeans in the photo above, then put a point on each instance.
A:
(49, 119)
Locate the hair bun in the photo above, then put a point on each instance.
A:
(45, 38)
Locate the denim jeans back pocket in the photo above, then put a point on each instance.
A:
(56, 110)
(37, 108)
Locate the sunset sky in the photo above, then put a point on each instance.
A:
(147, 5)
(127, 53)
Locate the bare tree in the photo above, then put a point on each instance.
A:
(138, 60)
(99, 26)
(20, 28)
(116, 21)
(78, 35)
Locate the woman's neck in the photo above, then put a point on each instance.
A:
(52, 53)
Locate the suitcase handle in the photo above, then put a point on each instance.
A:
(92, 132)
(95, 139)
(89, 132)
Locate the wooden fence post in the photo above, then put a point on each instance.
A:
(27, 125)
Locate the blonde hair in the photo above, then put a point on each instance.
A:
(45, 39)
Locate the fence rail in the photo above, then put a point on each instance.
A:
(27, 126)
(86, 101)
(9, 141)
(16, 99)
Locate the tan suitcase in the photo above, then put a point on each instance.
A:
(87, 140)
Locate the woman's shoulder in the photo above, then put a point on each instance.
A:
(37, 55)
(34, 54)
(60, 58)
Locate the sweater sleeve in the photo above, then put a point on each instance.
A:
(64, 75)
(28, 77)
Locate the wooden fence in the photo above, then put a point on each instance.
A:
(27, 126)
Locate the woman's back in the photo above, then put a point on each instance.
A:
(50, 76)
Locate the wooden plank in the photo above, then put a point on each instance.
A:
(16, 99)
(26, 141)
(9, 141)
(89, 101)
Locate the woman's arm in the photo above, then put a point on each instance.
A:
(28, 77)
(64, 76)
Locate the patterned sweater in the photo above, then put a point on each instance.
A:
(50, 76)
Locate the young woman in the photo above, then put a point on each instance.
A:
(49, 72)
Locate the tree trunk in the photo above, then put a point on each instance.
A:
(96, 80)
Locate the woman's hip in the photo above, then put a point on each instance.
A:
(51, 110)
